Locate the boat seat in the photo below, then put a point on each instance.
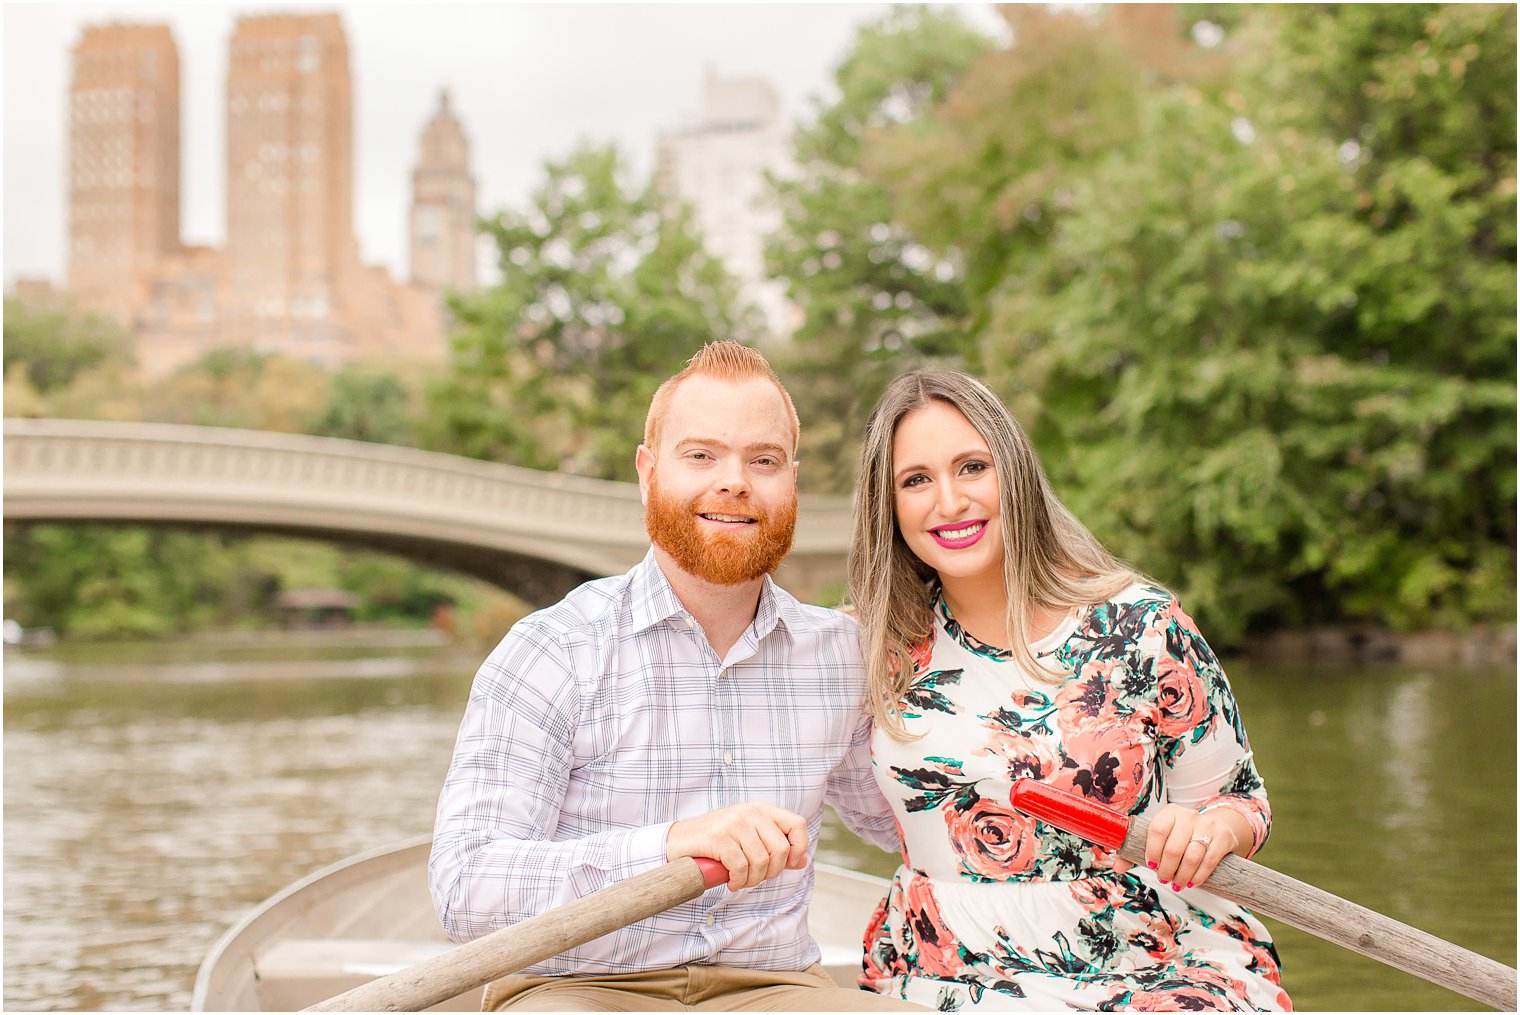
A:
(295, 973)
(843, 964)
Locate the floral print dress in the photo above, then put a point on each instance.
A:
(992, 909)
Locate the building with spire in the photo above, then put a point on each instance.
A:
(124, 163)
(290, 279)
(442, 226)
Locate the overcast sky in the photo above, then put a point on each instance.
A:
(527, 81)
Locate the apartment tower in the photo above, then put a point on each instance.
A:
(289, 279)
(291, 254)
(718, 166)
(443, 205)
(123, 164)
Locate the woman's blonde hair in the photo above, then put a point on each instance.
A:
(1050, 560)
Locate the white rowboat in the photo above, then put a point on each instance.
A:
(370, 915)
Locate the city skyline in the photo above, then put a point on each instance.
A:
(289, 278)
(656, 55)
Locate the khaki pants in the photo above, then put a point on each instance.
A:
(686, 988)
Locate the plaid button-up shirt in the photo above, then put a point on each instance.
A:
(598, 722)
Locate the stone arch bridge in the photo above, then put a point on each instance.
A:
(535, 534)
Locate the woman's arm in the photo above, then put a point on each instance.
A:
(1217, 803)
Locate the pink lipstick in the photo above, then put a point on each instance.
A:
(959, 535)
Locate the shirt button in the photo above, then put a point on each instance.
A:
(711, 919)
(728, 757)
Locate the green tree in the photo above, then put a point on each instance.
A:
(54, 343)
(241, 388)
(602, 296)
(391, 588)
(874, 300)
(100, 581)
(1248, 275)
(1266, 344)
(367, 404)
(986, 178)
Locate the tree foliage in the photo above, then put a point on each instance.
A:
(601, 298)
(1256, 300)
(367, 403)
(105, 582)
(986, 178)
(240, 388)
(53, 344)
(873, 298)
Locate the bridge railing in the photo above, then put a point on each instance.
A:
(96, 470)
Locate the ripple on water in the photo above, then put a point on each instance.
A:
(173, 827)
(143, 820)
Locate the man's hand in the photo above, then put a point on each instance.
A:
(755, 841)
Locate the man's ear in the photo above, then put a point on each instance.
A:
(643, 461)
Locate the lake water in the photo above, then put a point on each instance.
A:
(154, 794)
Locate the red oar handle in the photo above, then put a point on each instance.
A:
(1274, 894)
(1070, 812)
(713, 872)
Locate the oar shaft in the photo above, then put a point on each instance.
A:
(523, 944)
(1315, 911)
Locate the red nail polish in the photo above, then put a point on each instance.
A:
(1176, 887)
(1190, 884)
(1151, 865)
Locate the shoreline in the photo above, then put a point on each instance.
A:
(1482, 645)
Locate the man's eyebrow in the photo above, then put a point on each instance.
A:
(712, 442)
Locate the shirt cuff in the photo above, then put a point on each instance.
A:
(643, 849)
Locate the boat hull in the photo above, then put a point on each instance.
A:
(370, 915)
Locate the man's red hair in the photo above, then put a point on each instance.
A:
(724, 361)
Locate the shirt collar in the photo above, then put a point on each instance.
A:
(778, 609)
(653, 601)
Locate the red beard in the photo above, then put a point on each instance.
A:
(719, 558)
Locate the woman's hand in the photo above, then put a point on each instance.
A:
(1184, 846)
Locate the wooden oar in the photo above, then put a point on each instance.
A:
(537, 938)
(1266, 891)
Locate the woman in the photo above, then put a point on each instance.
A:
(1002, 641)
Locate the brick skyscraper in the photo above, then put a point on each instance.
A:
(291, 256)
(123, 163)
(289, 280)
(443, 205)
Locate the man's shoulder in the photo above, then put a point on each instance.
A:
(592, 607)
(552, 640)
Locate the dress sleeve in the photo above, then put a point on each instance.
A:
(493, 860)
(1202, 739)
(853, 792)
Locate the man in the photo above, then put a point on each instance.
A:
(687, 708)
